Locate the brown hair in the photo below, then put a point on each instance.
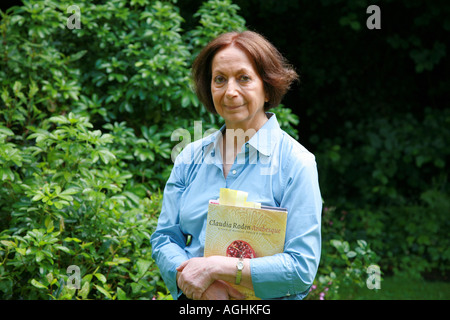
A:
(272, 67)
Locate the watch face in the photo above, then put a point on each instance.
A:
(240, 265)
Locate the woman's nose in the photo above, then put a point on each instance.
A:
(231, 89)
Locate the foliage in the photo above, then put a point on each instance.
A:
(68, 202)
(400, 153)
(213, 16)
(400, 288)
(400, 199)
(342, 263)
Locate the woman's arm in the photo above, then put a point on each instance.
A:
(196, 275)
(292, 272)
(220, 290)
(168, 241)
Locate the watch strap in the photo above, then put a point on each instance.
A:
(239, 267)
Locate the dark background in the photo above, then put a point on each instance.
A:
(349, 74)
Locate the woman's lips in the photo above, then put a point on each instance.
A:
(234, 107)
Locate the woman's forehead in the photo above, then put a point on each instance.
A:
(232, 58)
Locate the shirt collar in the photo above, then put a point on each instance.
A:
(265, 139)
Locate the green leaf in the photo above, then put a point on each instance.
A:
(121, 295)
(116, 261)
(8, 243)
(59, 120)
(142, 266)
(37, 284)
(121, 260)
(65, 197)
(22, 251)
(336, 243)
(100, 277)
(361, 243)
(185, 101)
(84, 291)
(106, 156)
(49, 224)
(72, 239)
(78, 55)
(38, 196)
(39, 256)
(70, 191)
(58, 205)
(104, 291)
(6, 131)
(63, 248)
(7, 173)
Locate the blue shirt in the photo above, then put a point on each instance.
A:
(275, 170)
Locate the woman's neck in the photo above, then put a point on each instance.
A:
(253, 124)
(236, 134)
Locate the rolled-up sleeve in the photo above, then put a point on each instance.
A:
(168, 241)
(291, 273)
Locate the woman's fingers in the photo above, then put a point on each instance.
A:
(194, 277)
(216, 291)
(234, 293)
(182, 265)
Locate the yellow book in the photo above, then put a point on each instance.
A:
(236, 228)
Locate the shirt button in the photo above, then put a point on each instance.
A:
(233, 172)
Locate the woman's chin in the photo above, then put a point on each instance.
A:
(235, 119)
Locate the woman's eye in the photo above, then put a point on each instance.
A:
(244, 78)
(219, 79)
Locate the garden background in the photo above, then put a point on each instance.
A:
(88, 112)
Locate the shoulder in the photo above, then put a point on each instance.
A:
(294, 153)
(299, 172)
(191, 158)
(193, 152)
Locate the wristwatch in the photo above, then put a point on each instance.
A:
(239, 267)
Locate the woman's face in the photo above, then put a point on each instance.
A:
(237, 90)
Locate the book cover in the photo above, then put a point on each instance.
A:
(252, 232)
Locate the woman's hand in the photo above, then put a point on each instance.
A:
(220, 290)
(194, 277)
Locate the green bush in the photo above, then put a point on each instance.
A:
(67, 202)
(399, 153)
(342, 263)
(398, 198)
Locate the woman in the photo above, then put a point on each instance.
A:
(240, 76)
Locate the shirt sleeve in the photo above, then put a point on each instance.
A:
(292, 272)
(168, 241)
